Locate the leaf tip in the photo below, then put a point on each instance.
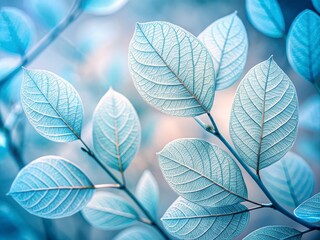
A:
(235, 12)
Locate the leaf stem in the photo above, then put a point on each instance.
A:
(97, 186)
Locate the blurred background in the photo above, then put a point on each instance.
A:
(92, 55)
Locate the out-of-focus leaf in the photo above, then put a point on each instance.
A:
(102, 7)
(227, 41)
(309, 114)
(138, 233)
(171, 69)
(264, 117)
(275, 232)
(316, 4)
(309, 146)
(3, 146)
(309, 210)
(51, 187)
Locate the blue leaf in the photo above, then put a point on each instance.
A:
(171, 69)
(109, 211)
(264, 117)
(202, 173)
(309, 210)
(102, 7)
(52, 105)
(316, 4)
(51, 187)
(147, 193)
(274, 232)
(4, 150)
(266, 16)
(138, 233)
(303, 45)
(17, 31)
(186, 220)
(309, 114)
(287, 181)
(226, 39)
(116, 130)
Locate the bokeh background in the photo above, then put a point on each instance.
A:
(92, 55)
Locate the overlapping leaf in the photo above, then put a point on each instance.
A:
(316, 4)
(275, 232)
(171, 69)
(309, 210)
(309, 113)
(138, 233)
(102, 7)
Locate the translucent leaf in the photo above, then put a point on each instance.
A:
(316, 4)
(148, 193)
(102, 7)
(109, 211)
(275, 232)
(116, 130)
(138, 233)
(52, 105)
(264, 116)
(17, 33)
(309, 114)
(171, 69)
(289, 180)
(202, 173)
(303, 45)
(186, 220)
(309, 210)
(266, 16)
(226, 39)
(51, 187)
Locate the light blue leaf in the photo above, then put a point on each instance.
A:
(303, 45)
(202, 173)
(226, 39)
(102, 7)
(17, 33)
(109, 211)
(4, 150)
(171, 69)
(287, 181)
(275, 232)
(264, 117)
(316, 4)
(51, 187)
(116, 130)
(309, 210)
(186, 220)
(148, 193)
(266, 16)
(52, 105)
(309, 114)
(138, 233)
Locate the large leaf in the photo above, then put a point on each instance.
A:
(138, 233)
(202, 173)
(264, 117)
(171, 69)
(266, 16)
(275, 232)
(17, 33)
(186, 220)
(109, 211)
(309, 114)
(289, 180)
(316, 4)
(116, 131)
(102, 7)
(303, 45)
(52, 105)
(51, 187)
(226, 39)
(309, 210)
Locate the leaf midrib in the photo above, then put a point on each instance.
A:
(54, 188)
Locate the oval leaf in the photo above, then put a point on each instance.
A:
(51, 187)
(309, 210)
(303, 45)
(52, 105)
(171, 69)
(287, 181)
(266, 16)
(275, 232)
(116, 130)
(316, 4)
(226, 39)
(186, 220)
(102, 7)
(138, 233)
(264, 117)
(202, 173)
(309, 114)
(17, 32)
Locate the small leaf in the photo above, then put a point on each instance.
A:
(171, 69)
(309, 210)
(303, 45)
(275, 232)
(266, 16)
(148, 193)
(109, 211)
(138, 233)
(102, 7)
(51, 187)
(17, 32)
(226, 39)
(316, 4)
(264, 117)
(186, 220)
(116, 130)
(202, 173)
(52, 105)
(287, 181)
(309, 114)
